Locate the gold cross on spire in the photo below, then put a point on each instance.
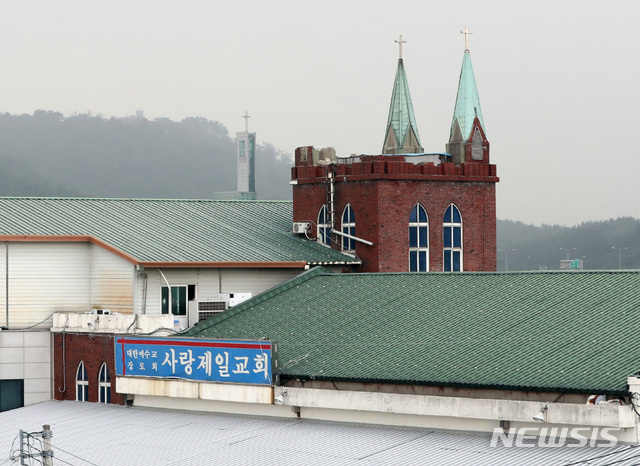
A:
(466, 33)
(246, 121)
(400, 42)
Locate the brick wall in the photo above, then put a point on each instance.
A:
(93, 349)
(383, 190)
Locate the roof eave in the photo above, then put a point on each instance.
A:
(70, 238)
(494, 386)
(227, 264)
(159, 264)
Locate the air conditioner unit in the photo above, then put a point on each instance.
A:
(209, 308)
(237, 298)
(301, 228)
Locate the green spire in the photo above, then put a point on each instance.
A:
(467, 102)
(402, 133)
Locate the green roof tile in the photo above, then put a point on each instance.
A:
(549, 331)
(153, 230)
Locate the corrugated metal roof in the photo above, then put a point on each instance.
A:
(153, 230)
(110, 435)
(566, 331)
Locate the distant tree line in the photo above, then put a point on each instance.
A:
(48, 154)
(600, 245)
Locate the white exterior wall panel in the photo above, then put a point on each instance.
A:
(27, 356)
(209, 283)
(45, 278)
(255, 281)
(111, 281)
(3, 284)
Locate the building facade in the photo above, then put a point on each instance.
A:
(406, 210)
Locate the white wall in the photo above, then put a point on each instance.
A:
(44, 278)
(111, 282)
(53, 277)
(27, 356)
(209, 283)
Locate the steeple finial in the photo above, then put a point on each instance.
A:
(246, 121)
(466, 33)
(400, 42)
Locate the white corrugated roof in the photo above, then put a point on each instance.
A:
(99, 434)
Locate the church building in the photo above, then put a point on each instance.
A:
(406, 209)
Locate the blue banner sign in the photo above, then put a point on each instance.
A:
(235, 361)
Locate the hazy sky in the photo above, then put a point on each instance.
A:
(558, 80)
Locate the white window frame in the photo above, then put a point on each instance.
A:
(419, 248)
(170, 297)
(324, 228)
(82, 385)
(104, 386)
(348, 228)
(452, 225)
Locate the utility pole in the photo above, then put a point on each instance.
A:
(619, 256)
(46, 453)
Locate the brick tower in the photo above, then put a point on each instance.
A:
(406, 210)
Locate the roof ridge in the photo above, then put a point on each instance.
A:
(140, 199)
(252, 302)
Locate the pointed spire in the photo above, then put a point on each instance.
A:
(401, 135)
(467, 101)
(467, 109)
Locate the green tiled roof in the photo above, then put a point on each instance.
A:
(152, 230)
(467, 101)
(547, 331)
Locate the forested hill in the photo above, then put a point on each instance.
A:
(48, 154)
(529, 247)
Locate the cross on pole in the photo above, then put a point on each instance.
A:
(246, 121)
(400, 42)
(466, 33)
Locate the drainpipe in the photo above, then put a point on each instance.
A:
(170, 303)
(6, 282)
(332, 193)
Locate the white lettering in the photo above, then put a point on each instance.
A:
(522, 436)
(575, 435)
(553, 440)
(507, 439)
(555, 437)
(613, 441)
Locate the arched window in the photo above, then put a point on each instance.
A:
(104, 384)
(82, 383)
(452, 229)
(476, 145)
(418, 240)
(348, 228)
(324, 226)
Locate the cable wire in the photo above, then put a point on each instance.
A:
(75, 456)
